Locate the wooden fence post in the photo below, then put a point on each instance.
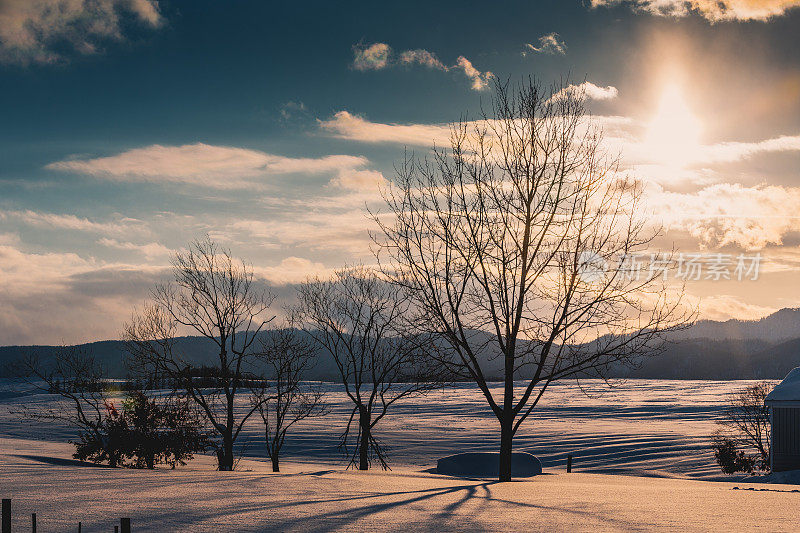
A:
(125, 525)
(79, 527)
(6, 518)
(33, 522)
(569, 463)
(116, 529)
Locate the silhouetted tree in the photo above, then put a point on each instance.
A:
(747, 424)
(502, 239)
(85, 400)
(284, 399)
(363, 323)
(213, 295)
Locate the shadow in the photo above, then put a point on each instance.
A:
(343, 517)
(58, 461)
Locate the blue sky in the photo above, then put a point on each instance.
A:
(130, 127)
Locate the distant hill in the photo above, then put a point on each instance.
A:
(780, 326)
(735, 349)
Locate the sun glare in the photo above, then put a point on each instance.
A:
(673, 136)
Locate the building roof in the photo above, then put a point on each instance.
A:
(787, 390)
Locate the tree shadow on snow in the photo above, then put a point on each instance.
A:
(59, 461)
(341, 516)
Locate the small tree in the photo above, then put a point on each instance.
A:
(284, 399)
(746, 425)
(84, 402)
(215, 296)
(161, 430)
(363, 323)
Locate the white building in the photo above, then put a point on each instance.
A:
(784, 406)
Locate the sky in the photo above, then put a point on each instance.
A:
(130, 127)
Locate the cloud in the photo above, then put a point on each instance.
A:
(736, 151)
(713, 10)
(548, 44)
(292, 109)
(725, 307)
(378, 56)
(480, 80)
(729, 214)
(359, 180)
(47, 31)
(372, 57)
(220, 167)
(587, 90)
(121, 226)
(292, 270)
(421, 57)
(346, 125)
(151, 250)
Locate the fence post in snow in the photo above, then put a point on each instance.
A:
(125, 525)
(569, 463)
(6, 518)
(33, 522)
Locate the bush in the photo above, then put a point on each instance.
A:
(146, 432)
(730, 458)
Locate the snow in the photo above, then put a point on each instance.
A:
(640, 427)
(659, 429)
(319, 497)
(486, 464)
(787, 390)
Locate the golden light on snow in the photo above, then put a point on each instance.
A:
(673, 134)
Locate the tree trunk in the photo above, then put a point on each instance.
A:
(275, 463)
(506, 438)
(225, 455)
(363, 445)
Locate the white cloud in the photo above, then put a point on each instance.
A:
(37, 31)
(220, 167)
(713, 10)
(725, 307)
(550, 43)
(729, 214)
(120, 226)
(480, 80)
(359, 180)
(421, 57)
(152, 250)
(349, 126)
(587, 90)
(378, 56)
(372, 57)
(293, 270)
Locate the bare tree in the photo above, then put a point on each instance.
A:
(361, 321)
(213, 295)
(503, 239)
(746, 418)
(85, 399)
(284, 399)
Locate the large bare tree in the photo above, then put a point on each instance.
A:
(503, 238)
(361, 321)
(215, 296)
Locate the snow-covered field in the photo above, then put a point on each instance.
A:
(318, 497)
(640, 428)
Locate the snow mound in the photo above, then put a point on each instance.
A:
(787, 390)
(481, 464)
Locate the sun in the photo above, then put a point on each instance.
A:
(673, 134)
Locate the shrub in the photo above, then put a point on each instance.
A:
(730, 458)
(144, 433)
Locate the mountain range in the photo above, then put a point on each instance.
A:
(734, 349)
